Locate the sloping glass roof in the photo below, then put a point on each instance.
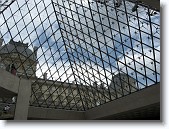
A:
(96, 51)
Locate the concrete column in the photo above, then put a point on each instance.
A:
(22, 104)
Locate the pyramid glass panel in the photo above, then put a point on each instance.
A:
(80, 54)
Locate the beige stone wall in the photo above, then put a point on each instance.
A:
(23, 65)
(66, 95)
(50, 93)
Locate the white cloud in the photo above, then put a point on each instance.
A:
(107, 17)
(89, 32)
(149, 63)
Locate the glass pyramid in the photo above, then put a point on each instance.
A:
(80, 54)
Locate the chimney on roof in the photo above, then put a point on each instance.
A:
(35, 50)
(95, 84)
(1, 41)
(102, 85)
(45, 76)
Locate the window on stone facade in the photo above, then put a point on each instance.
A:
(69, 90)
(29, 70)
(61, 97)
(60, 89)
(77, 98)
(69, 98)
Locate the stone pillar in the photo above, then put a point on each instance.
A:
(22, 104)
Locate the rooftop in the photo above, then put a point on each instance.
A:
(17, 47)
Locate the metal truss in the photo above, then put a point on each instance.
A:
(80, 54)
(4, 4)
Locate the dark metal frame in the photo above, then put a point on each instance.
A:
(85, 58)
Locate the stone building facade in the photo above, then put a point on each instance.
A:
(55, 94)
(21, 56)
(45, 92)
(122, 84)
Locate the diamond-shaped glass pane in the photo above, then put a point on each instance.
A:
(80, 54)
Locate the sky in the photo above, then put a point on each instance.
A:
(48, 38)
(6, 125)
(102, 34)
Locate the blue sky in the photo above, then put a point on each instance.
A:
(42, 36)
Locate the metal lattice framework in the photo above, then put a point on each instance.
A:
(5, 4)
(80, 54)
